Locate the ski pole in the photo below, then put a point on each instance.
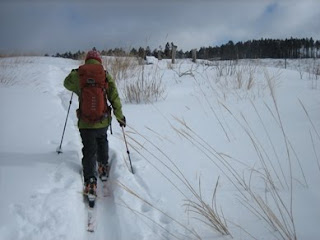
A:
(110, 112)
(125, 141)
(111, 128)
(59, 150)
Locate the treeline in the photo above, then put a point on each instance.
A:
(76, 56)
(263, 48)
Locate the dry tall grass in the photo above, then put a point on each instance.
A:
(315, 131)
(206, 213)
(146, 87)
(276, 212)
(272, 170)
(190, 232)
(121, 67)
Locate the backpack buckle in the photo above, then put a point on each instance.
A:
(91, 81)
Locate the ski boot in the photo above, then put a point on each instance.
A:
(91, 190)
(103, 170)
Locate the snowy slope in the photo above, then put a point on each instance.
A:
(206, 124)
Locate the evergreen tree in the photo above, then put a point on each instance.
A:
(167, 51)
(134, 52)
(142, 53)
(148, 51)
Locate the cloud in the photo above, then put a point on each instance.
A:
(291, 18)
(57, 26)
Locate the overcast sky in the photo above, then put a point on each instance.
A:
(50, 26)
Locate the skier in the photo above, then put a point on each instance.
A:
(94, 86)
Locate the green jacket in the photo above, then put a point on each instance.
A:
(71, 83)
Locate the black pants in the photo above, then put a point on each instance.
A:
(95, 148)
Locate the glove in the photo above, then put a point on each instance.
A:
(122, 122)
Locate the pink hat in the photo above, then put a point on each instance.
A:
(92, 54)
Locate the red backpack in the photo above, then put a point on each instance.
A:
(93, 105)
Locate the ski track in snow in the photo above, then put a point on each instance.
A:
(107, 221)
(114, 220)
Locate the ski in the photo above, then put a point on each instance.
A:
(104, 179)
(91, 219)
(105, 189)
(92, 209)
(92, 197)
(91, 200)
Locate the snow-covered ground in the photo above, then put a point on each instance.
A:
(217, 129)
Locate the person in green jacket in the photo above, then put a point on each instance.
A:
(94, 135)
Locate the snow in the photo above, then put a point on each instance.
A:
(204, 129)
